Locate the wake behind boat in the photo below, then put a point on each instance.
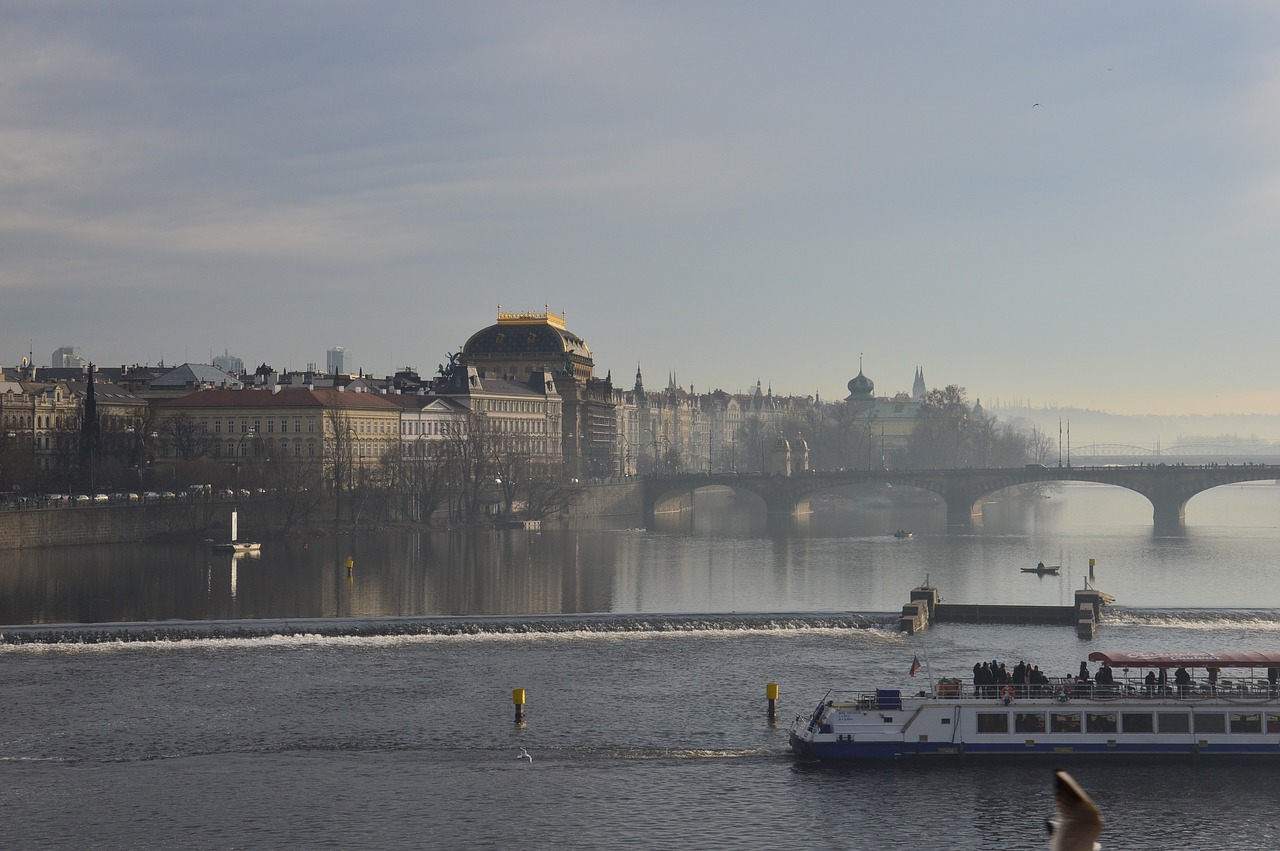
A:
(1108, 716)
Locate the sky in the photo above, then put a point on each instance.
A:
(1070, 204)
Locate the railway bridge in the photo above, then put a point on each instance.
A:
(1168, 487)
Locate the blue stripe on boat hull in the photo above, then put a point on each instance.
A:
(900, 750)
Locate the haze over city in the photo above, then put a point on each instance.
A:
(1057, 204)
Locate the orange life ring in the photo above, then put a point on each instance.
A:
(1007, 694)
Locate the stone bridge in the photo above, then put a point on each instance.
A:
(1168, 487)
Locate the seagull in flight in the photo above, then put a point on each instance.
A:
(1078, 823)
(1034, 105)
(524, 754)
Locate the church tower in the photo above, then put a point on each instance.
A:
(918, 390)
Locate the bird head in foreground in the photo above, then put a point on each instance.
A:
(1078, 822)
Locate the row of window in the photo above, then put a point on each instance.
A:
(1128, 722)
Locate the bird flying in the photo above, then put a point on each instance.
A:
(524, 754)
(1078, 822)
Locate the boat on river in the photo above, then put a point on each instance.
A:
(235, 545)
(1148, 715)
(1043, 569)
(903, 533)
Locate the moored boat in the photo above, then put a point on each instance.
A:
(235, 545)
(1140, 715)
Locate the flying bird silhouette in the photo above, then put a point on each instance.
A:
(1034, 105)
(524, 754)
(1078, 822)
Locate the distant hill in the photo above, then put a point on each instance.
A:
(1148, 431)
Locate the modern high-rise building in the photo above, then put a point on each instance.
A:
(337, 361)
(67, 357)
(229, 363)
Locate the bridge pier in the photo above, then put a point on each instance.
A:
(1169, 514)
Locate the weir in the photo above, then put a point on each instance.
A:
(926, 606)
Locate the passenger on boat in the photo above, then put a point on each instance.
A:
(1182, 679)
(1213, 680)
(1039, 682)
(1149, 683)
(1272, 675)
(1105, 679)
(1162, 682)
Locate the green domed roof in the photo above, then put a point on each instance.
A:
(527, 334)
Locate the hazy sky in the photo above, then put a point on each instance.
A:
(731, 191)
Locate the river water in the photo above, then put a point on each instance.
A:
(640, 737)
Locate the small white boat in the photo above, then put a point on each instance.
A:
(235, 545)
(903, 533)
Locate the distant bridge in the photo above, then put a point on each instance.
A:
(1167, 486)
(1200, 454)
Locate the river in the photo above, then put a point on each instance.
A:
(645, 732)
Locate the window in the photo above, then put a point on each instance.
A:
(1138, 722)
(993, 722)
(1064, 722)
(1246, 722)
(271, 427)
(1028, 722)
(1211, 722)
(1273, 722)
(217, 426)
(1175, 722)
(1100, 722)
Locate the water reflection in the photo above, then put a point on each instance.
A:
(715, 554)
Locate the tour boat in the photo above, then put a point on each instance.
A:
(1043, 568)
(1132, 715)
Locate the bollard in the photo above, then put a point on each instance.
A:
(771, 692)
(517, 697)
(1092, 562)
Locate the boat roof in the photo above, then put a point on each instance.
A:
(1234, 659)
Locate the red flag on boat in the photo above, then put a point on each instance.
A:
(915, 665)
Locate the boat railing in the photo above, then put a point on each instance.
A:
(1068, 688)
(1058, 689)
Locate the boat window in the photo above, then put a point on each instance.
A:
(1064, 722)
(1138, 722)
(1028, 722)
(993, 722)
(1246, 722)
(1211, 722)
(1175, 722)
(1100, 722)
(1273, 722)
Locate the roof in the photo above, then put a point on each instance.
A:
(1211, 659)
(545, 338)
(192, 373)
(285, 398)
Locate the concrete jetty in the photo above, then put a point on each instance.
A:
(926, 606)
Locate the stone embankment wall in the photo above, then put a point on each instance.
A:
(620, 502)
(51, 527)
(613, 502)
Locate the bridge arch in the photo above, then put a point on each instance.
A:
(1167, 487)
